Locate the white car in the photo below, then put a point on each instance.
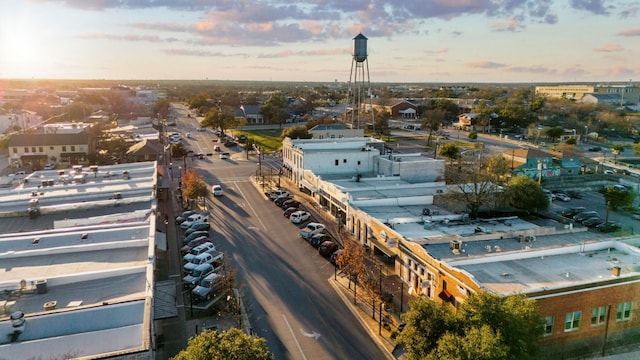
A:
(278, 194)
(192, 219)
(49, 166)
(224, 155)
(217, 190)
(562, 197)
(299, 217)
(311, 229)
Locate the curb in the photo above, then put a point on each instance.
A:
(356, 313)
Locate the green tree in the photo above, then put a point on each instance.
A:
(194, 187)
(497, 167)
(381, 119)
(427, 322)
(636, 149)
(432, 119)
(178, 150)
(475, 344)
(219, 117)
(473, 135)
(617, 149)
(554, 133)
(525, 193)
(296, 132)
(617, 197)
(161, 108)
(449, 108)
(273, 109)
(571, 141)
(449, 150)
(232, 344)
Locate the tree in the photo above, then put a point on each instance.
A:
(178, 150)
(427, 322)
(194, 186)
(617, 149)
(525, 193)
(473, 135)
(432, 119)
(554, 133)
(485, 326)
(273, 109)
(618, 197)
(232, 344)
(636, 149)
(381, 120)
(296, 132)
(449, 150)
(497, 167)
(218, 117)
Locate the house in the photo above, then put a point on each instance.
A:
(531, 162)
(471, 121)
(36, 150)
(145, 150)
(250, 113)
(602, 99)
(397, 108)
(569, 162)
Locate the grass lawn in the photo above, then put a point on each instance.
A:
(267, 139)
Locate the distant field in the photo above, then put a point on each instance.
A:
(267, 139)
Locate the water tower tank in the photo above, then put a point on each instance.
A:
(360, 48)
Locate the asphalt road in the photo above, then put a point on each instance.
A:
(287, 295)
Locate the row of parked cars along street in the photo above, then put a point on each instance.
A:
(590, 219)
(202, 262)
(313, 232)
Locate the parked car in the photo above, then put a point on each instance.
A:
(201, 226)
(299, 217)
(327, 248)
(217, 190)
(200, 249)
(193, 219)
(278, 193)
(194, 243)
(230, 143)
(195, 235)
(49, 166)
(183, 217)
(197, 274)
(608, 226)
(592, 222)
(585, 215)
(318, 239)
(334, 257)
(217, 148)
(562, 197)
(210, 257)
(289, 211)
(573, 211)
(290, 203)
(207, 287)
(574, 194)
(311, 229)
(281, 200)
(224, 155)
(595, 149)
(609, 172)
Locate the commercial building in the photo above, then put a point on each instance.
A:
(586, 284)
(79, 272)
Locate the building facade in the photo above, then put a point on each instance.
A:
(36, 150)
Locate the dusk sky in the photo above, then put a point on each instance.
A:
(311, 40)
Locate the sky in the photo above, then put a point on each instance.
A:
(409, 41)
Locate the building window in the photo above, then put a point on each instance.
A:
(624, 311)
(572, 321)
(64, 148)
(548, 325)
(40, 149)
(26, 149)
(15, 150)
(73, 148)
(344, 161)
(598, 315)
(50, 147)
(337, 162)
(33, 149)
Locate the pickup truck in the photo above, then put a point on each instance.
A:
(207, 287)
(214, 257)
(311, 229)
(198, 273)
(194, 218)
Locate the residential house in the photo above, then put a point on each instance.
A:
(250, 113)
(569, 162)
(145, 150)
(532, 162)
(397, 108)
(471, 121)
(35, 150)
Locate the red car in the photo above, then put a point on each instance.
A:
(289, 211)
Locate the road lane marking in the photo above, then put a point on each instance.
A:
(250, 207)
(294, 336)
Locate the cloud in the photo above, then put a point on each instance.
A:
(513, 24)
(630, 32)
(199, 53)
(609, 48)
(319, 52)
(629, 12)
(128, 37)
(536, 69)
(595, 6)
(620, 70)
(485, 65)
(441, 50)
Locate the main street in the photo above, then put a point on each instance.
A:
(284, 280)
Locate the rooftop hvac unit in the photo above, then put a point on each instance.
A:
(455, 244)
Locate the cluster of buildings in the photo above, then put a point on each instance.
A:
(77, 275)
(615, 95)
(586, 284)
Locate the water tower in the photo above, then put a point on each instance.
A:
(359, 87)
